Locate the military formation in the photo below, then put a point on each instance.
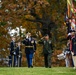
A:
(15, 54)
(15, 58)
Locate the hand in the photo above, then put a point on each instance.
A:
(42, 38)
(32, 41)
(72, 53)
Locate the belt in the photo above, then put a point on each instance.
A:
(29, 46)
(20, 52)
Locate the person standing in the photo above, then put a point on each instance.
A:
(69, 61)
(74, 50)
(47, 50)
(18, 54)
(13, 52)
(68, 24)
(30, 48)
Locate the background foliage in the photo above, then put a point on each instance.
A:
(38, 17)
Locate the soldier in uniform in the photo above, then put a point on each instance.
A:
(30, 48)
(13, 51)
(18, 54)
(47, 50)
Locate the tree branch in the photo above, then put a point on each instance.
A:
(41, 21)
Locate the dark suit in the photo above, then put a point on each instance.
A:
(30, 48)
(18, 56)
(13, 53)
(12, 47)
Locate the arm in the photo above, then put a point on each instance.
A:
(17, 51)
(34, 45)
(11, 46)
(24, 42)
(52, 47)
(41, 41)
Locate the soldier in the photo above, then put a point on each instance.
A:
(18, 54)
(47, 50)
(30, 48)
(13, 51)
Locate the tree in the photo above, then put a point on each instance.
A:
(42, 12)
(37, 16)
(49, 16)
(45, 13)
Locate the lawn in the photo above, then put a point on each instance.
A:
(37, 71)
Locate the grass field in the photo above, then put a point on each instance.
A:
(37, 71)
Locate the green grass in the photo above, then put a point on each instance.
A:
(37, 71)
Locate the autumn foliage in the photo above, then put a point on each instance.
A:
(36, 16)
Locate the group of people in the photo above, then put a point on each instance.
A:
(30, 49)
(71, 32)
(15, 53)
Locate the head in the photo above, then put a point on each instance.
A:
(46, 37)
(13, 38)
(19, 43)
(70, 20)
(73, 34)
(29, 34)
(73, 20)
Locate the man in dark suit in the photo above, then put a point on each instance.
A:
(13, 51)
(30, 48)
(47, 50)
(18, 54)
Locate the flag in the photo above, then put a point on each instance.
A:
(70, 7)
(69, 4)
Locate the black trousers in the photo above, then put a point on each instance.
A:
(47, 60)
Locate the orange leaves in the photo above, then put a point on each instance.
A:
(3, 31)
(29, 16)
